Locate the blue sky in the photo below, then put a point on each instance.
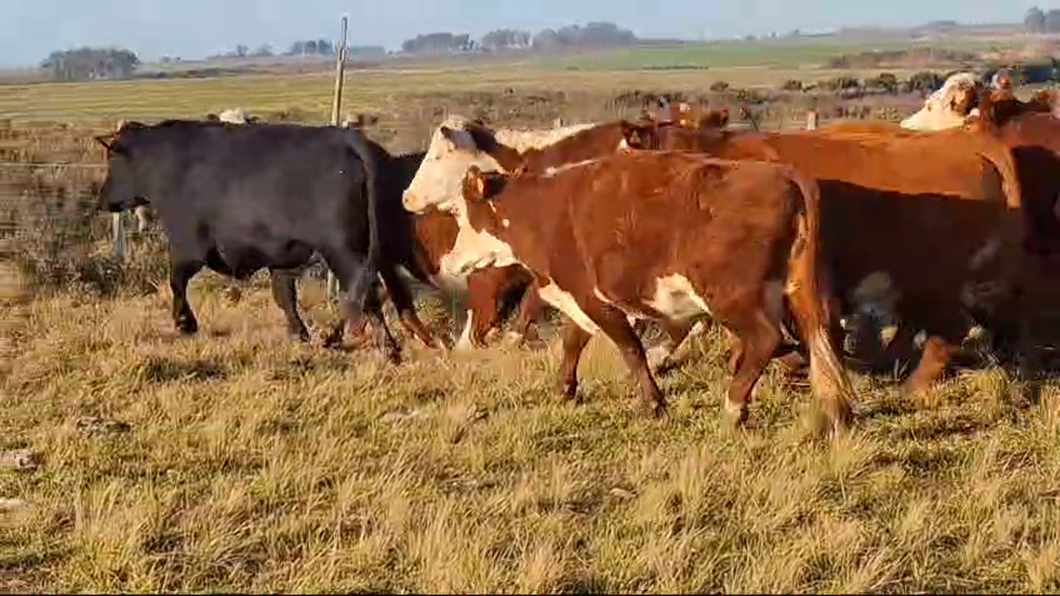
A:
(30, 29)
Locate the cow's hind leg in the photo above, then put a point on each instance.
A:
(406, 308)
(614, 323)
(285, 295)
(528, 326)
(180, 274)
(758, 339)
(660, 357)
(934, 361)
(346, 268)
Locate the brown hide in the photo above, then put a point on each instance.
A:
(610, 231)
(918, 207)
(488, 287)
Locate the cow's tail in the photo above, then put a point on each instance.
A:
(359, 288)
(809, 296)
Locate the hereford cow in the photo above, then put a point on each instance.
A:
(671, 237)
(240, 198)
(949, 105)
(437, 188)
(936, 216)
(441, 236)
(1031, 130)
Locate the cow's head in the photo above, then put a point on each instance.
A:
(235, 116)
(714, 118)
(478, 189)
(642, 135)
(456, 145)
(121, 188)
(949, 106)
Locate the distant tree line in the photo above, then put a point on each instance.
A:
(1038, 21)
(309, 47)
(591, 35)
(83, 64)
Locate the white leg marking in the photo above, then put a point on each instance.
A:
(698, 329)
(464, 343)
(919, 339)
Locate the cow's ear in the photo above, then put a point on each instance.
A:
(109, 141)
(449, 134)
(474, 184)
(632, 133)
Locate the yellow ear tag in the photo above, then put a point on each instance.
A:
(480, 184)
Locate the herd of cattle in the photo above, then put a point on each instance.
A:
(793, 242)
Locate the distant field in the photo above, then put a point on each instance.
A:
(365, 90)
(777, 53)
(740, 64)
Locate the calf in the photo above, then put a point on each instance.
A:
(240, 198)
(668, 237)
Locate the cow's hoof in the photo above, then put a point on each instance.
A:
(567, 391)
(301, 335)
(187, 326)
(535, 345)
(656, 410)
(393, 356)
(736, 415)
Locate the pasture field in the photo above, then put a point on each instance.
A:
(773, 53)
(132, 459)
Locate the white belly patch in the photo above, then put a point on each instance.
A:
(676, 299)
(564, 302)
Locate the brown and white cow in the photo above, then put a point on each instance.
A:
(935, 215)
(672, 237)
(947, 106)
(436, 190)
(440, 235)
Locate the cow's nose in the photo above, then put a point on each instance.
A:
(408, 201)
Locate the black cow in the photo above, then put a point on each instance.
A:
(240, 198)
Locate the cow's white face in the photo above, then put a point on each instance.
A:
(437, 181)
(938, 112)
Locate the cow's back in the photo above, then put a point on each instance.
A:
(630, 213)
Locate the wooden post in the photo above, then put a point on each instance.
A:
(336, 108)
(811, 120)
(117, 228)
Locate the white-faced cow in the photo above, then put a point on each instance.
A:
(672, 237)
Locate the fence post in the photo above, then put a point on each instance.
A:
(336, 107)
(117, 228)
(811, 120)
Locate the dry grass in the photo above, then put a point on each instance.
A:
(252, 463)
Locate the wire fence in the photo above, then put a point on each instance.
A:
(52, 230)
